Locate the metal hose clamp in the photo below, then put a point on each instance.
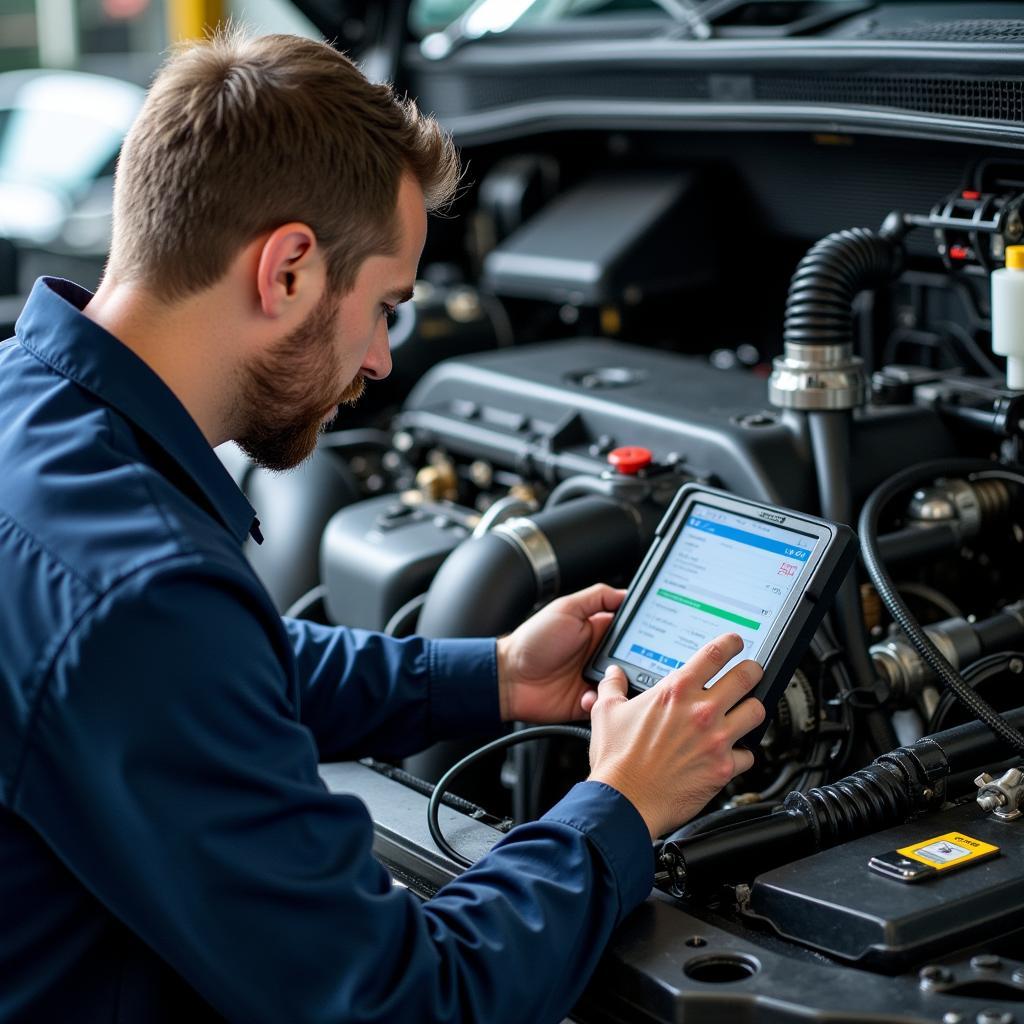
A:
(528, 537)
(818, 377)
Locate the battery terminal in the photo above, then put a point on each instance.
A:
(1004, 796)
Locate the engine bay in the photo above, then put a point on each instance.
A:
(800, 319)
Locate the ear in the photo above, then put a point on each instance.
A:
(289, 271)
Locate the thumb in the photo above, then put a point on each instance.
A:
(612, 688)
(597, 598)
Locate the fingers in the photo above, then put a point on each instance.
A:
(588, 700)
(737, 683)
(744, 717)
(599, 624)
(711, 658)
(598, 598)
(742, 760)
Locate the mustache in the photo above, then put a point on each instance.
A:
(353, 392)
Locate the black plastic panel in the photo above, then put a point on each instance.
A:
(833, 902)
(671, 964)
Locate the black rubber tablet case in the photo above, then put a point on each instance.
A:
(819, 590)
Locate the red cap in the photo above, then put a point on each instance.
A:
(630, 460)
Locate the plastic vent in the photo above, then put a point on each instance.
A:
(488, 91)
(983, 99)
(966, 30)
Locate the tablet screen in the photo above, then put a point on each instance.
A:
(726, 572)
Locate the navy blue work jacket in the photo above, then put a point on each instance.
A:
(167, 848)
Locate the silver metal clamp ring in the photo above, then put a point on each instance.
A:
(528, 537)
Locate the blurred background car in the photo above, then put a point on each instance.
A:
(60, 133)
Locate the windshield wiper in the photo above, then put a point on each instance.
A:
(688, 13)
(490, 17)
(481, 18)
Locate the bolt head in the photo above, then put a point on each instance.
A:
(994, 1017)
(933, 974)
(986, 962)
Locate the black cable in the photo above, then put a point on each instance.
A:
(829, 657)
(980, 671)
(868, 530)
(502, 743)
(298, 608)
(424, 788)
(403, 622)
(971, 346)
(357, 437)
(830, 434)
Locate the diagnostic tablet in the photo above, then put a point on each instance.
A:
(723, 564)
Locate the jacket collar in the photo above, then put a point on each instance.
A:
(53, 328)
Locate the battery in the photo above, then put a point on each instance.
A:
(835, 902)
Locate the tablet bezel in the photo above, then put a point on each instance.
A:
(827, 557)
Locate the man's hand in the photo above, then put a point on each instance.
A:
(672, 748)
(540, 664)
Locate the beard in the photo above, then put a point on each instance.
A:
(287, 392)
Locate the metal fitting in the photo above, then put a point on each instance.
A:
(818, 377)
(968, 505)
(438, 481)
(902, 670)
(1004, 796)
(501, 511)
(531, 540)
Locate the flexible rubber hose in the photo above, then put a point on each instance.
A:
(868, 530)
(819, 308)
(487, 586)
(887, 792)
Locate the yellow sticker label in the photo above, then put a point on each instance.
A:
(948, 851)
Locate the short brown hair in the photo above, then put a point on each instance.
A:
(239, 135)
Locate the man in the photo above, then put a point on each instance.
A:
(167, 849)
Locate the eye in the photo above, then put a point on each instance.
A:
(390, 315)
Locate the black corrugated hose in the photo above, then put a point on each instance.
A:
(819, 309)
(868, 530)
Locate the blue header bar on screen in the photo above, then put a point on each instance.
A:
(744, 537)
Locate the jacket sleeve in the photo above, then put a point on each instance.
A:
(168, 770)
(366, 693)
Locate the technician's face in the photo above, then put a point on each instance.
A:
(294, 391)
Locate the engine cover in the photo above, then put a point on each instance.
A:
(556, 409)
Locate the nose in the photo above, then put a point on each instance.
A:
(377, 364)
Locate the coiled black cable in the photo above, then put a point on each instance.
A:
(502, 743)
(976, 674)
(819, 308)
(868, 530)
